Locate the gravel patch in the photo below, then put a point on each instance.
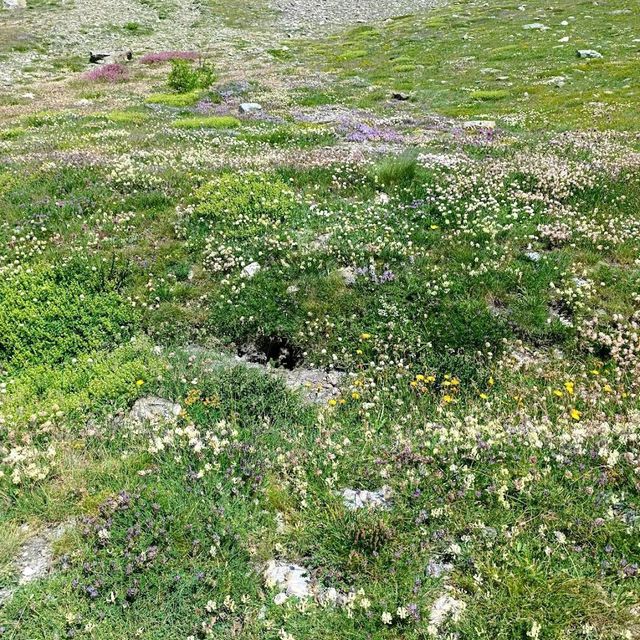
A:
(324, 15)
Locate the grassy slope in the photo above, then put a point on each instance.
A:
(476, 59)
(463, 385)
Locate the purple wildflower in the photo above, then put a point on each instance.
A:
(366, 133)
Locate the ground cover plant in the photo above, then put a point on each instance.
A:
(325, 336)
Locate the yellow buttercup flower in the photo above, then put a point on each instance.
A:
(575, 414)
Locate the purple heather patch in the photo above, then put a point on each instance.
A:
(107, 73)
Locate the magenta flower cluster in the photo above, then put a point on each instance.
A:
(107, 73)
(166, 56)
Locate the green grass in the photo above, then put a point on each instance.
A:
(469, 59)
(475, 291)
(175, 99)
(207, 122)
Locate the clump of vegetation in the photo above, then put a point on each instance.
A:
(244, 196)
(175, 99)
(49, 315)
(111, 73)
(207, 122)
(185, 77)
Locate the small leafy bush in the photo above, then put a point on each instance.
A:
(183, 77)
(47, 316)
(249, 197)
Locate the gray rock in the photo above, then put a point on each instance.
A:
(154, 409)
(362, 498)
(291, 579)
(35, 558)
(250, 270)
(589, 53)
(534, 256)
(321, 242)
(479, 124)
(536, 26)
(110, 57)
(15, 4)
(293, 289)
(250, 107)
(316, 385)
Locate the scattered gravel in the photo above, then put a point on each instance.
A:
(323, 15)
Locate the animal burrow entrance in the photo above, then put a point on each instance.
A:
(277, 350)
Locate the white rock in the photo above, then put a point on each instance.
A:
(534, 256)
(479, 124)
(362, 498)
(250, 270)
(536, 26)
(154, 409)
(15, 4)
(292, 289)
(250, 107)
(291, 579)
(589, 53)
(565, 39)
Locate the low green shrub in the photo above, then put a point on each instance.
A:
(184, 77)
(207, 122)
(175, 99)
(48, 316)
(247, 196)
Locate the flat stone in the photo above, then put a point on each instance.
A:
(321, 242)
(154, 409)
(589, 53)
(294, 581)
(534, 256)
(362, 498)
(291, 579)
(479, 124)
(536, 26)
(250, 107)
(35, 558)
(250, 270)
(316, 385)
